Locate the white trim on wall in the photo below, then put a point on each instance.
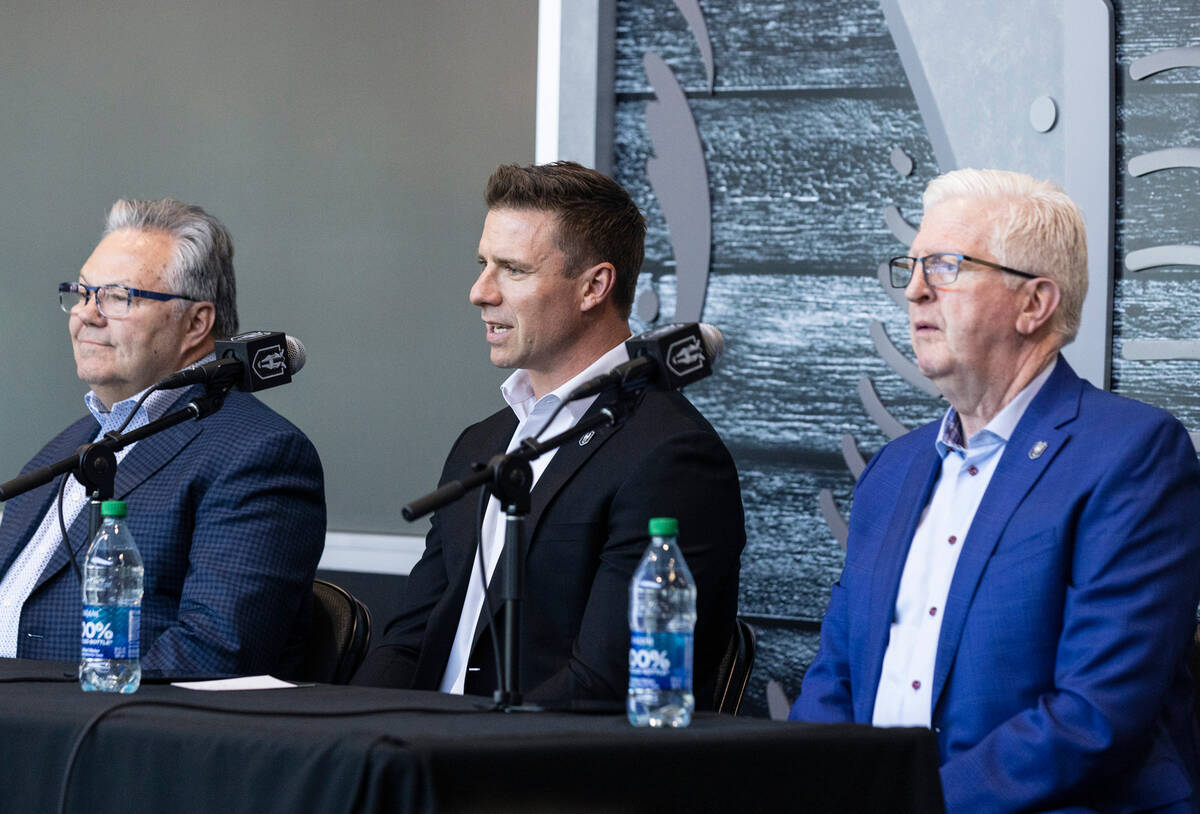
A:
(394, 554)
(576, 59)
(545, 140)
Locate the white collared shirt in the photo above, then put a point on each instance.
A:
(904, 696)
(531, 413)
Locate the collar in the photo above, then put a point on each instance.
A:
(518, 391)
(154, 408)
(1002, 425)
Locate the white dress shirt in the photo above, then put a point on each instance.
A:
(531, 414)
(905, 682)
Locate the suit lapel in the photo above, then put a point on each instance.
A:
(145, 458)
(1035, 442)
(24, 514)
(460, 525)
(152, 454)
(889, 565)
(565, 463)
(464, 531)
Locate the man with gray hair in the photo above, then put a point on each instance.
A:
(228, 513)
(1022, 575)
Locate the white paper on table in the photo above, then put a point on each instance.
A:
(242, 683)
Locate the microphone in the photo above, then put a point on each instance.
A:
(248, 362)
(671, 355)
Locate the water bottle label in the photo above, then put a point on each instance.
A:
(660, 661)
(111, 632)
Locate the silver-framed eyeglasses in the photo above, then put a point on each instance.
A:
(112, 301)
(941, 268)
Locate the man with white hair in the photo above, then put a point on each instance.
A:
(1022, 575)
(228, 513)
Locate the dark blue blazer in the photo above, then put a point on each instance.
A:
(229, 516)
(1061, 677)
(587, 531)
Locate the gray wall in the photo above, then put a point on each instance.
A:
(344, 144)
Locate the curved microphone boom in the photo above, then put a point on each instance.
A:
(248, 362)
(670, 356)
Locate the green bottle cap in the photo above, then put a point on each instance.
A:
(664, 526)
(112, 508)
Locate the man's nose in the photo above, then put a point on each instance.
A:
(88, 312)
(917, 289)
(485, 291)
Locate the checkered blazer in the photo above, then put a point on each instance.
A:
(229, 516)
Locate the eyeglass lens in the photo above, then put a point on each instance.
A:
(940, 269)
(111, 301)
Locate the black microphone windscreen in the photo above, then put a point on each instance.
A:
(683, 351)
(269, 358)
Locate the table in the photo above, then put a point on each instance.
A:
(357, 749)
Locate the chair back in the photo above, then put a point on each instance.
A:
(735, 668)
(339, 636)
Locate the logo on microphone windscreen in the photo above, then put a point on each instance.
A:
(685, 356)
(270, 362)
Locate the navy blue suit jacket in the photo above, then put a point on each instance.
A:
(1060, 679)
(587, 531)
(229, 516)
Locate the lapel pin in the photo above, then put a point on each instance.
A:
(587, 436)
(1036, 451)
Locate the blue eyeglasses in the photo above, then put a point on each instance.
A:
(112, 301)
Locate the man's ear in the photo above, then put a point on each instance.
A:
(200, 317)
(1040, 300)
(596, 285)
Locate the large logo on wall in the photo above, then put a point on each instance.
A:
(1035, 94)
(679, 177)
(1169, 257)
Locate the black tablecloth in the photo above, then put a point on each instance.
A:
(357, 749)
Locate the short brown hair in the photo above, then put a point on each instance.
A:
(597, 220)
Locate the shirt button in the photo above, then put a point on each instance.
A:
(952, 540)
(916, 685)
(974, 470)
(933, 611)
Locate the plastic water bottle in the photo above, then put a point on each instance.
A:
(662, 620)
(112, 607)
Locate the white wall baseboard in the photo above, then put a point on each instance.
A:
(371, 553)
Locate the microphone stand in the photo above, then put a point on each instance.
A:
(95, 464)
(511, 479)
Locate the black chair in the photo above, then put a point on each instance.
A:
(735, 668)
(339, 637)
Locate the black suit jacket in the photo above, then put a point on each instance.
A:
(587, 531)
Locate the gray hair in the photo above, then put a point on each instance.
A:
(1035, 227)
(201, 265)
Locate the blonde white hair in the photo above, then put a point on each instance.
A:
(1033, 227)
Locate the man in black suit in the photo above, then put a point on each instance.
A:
(559, 258)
